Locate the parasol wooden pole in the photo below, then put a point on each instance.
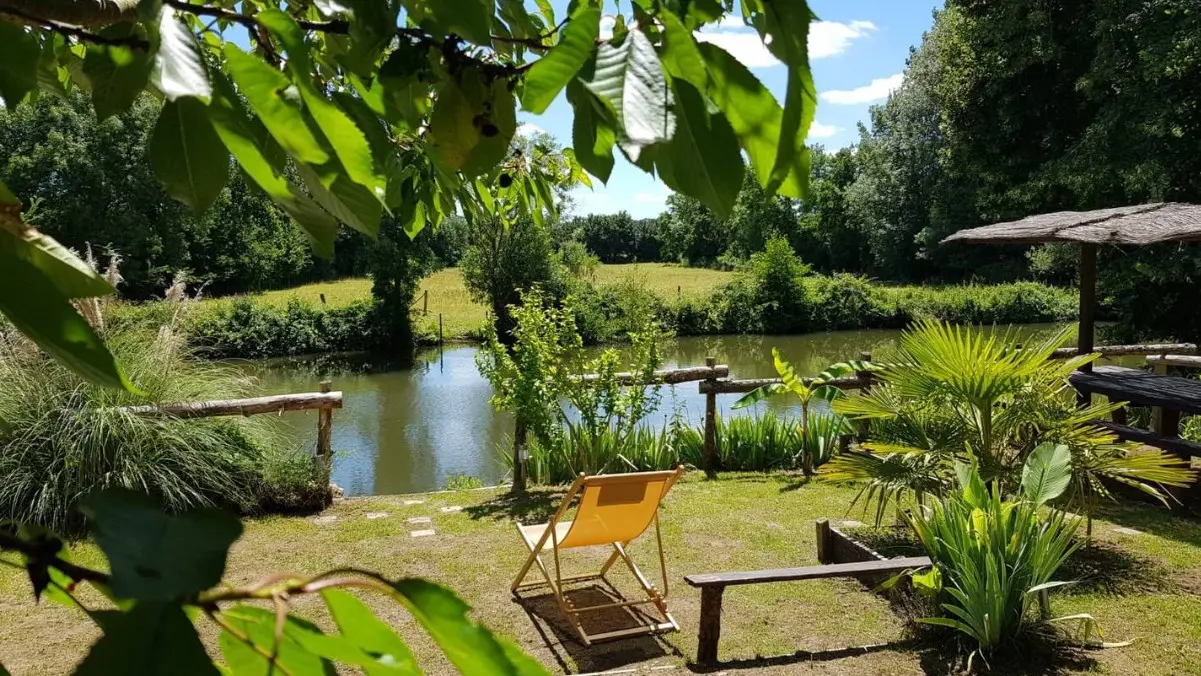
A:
(1088, 306)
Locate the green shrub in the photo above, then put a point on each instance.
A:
(249, 329)
(609, 314)
(65, 438)
(462, 482)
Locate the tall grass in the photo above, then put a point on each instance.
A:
(753, 443)
(64, 438)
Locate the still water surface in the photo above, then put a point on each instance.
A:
(405, 429)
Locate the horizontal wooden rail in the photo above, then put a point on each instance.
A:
(738, 386)
(1128, 350)
(1190, 361)
(668, 376)
(254, 405)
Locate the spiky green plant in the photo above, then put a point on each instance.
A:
(951, 391)
(807, 391)
(994, 558)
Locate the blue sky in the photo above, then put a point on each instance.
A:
(857, 52)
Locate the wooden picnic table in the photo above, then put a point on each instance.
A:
(1170, 396)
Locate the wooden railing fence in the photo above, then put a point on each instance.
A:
(324, 401)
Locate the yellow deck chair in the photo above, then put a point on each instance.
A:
(614, 510)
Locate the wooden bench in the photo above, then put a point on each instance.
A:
(713, 585)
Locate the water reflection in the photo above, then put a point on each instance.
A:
(406, 427)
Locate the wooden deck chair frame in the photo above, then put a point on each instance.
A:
(558, 534)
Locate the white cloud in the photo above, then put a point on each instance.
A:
(877, 90)
(826, 38)
(830, 38)
(606, 26)
(819, 130)
(529, 129)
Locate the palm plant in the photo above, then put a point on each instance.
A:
(807, 391)
(952, 392)
(993, 558)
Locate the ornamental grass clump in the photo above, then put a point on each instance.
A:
(63, 438)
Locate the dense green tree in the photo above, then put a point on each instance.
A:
(505, 260)
(693, 233)
(756, 217)
(610, 236)
(827, 237)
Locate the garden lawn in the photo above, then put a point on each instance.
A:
(1145, 588)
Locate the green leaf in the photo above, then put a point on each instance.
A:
(19, 55)
(359, 625)
(246, 140)
(117, 74)
(349, 143)
(73, 277)
(471, 648)
(702, 159)
(153, 638)
(591, 136)
(51, 78)
(630, 81)
(551, 73)
(346, 200)
(156, 556)
(786, 33)
(751, 110)
(1047, 473)
(452, 133)
(35, 304)
(258, 625)
(178, 67)
(277, 103)
(469, 19)
(187, 155)
(497, 129)
(759, 394)
(681, 57)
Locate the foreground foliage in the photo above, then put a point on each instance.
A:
(951, 391)
(341, 113)
(165, 572)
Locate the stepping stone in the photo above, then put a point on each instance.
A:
(418, 519)
(851, 524)
(1126, 531)
(452, 508)
(410, 503)
(375, 515)
(325, 520)
(421, 533)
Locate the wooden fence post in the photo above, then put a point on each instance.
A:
(519, 443)
(325, 432)
(710, 452)
(867, 377)
(425, 304)
(441, 339)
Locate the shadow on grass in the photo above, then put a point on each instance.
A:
(564, 643)
(1103, 567)
(941, 653)
(536, 506)
(1175, 525)
(800, 656)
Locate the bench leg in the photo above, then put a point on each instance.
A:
(710, 629)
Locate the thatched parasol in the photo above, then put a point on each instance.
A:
(1136, 225)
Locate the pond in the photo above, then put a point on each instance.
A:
(405, 429)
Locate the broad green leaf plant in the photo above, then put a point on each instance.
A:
(817, 434)
(951, 392)
(164, 576)
(996, 559)
(342, 112)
